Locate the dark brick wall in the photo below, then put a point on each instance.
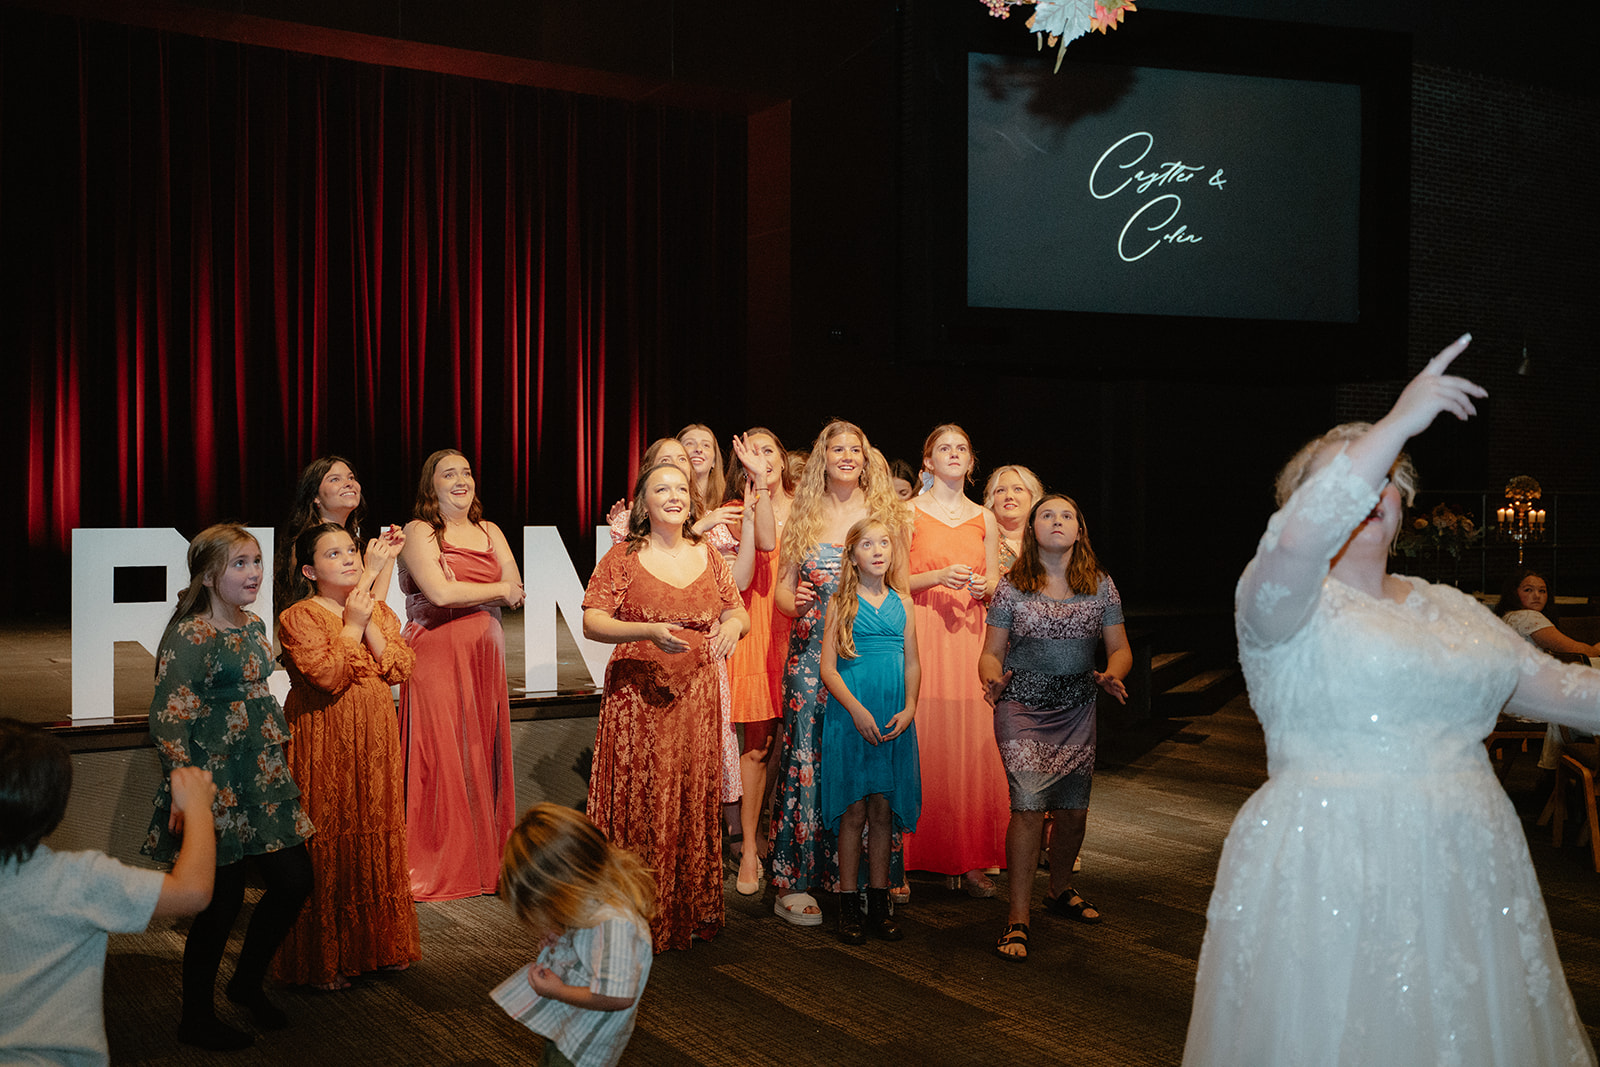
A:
(1505, 242)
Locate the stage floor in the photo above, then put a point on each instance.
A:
(36, 665)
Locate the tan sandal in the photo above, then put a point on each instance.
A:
(1013, 944)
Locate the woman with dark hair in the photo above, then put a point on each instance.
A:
(1375, 902)
(327, 491)
(457, 572)
(667, 600)
(343, 650)
(1049, 615)
(212, 709)
(1528, 607)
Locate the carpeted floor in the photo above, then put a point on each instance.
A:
(765, 992)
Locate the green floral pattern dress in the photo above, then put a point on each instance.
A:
(212, 709)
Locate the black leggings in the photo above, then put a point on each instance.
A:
(287, 874)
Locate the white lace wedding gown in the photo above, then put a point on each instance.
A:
(1375, 904)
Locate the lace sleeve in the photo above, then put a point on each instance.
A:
(1552, 691)
(324, 657)
(1280, 586)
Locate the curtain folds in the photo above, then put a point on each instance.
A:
(222, 261)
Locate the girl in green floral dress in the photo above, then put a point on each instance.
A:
(212, 709)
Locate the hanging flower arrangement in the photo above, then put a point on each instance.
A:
(1057, 22)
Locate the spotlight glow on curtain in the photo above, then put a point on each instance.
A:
(223, 260)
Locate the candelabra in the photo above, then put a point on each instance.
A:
(1521, 521)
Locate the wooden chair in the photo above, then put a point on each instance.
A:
(1509, 732)
(1579, 762)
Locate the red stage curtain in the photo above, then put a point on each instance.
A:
(222, 261)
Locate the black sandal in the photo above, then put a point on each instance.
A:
(1016, 935)
(1060, 905)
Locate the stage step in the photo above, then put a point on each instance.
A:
(1201, 693)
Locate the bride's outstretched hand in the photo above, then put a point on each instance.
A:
(1434, 392)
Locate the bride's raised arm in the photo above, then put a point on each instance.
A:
(1325, 493)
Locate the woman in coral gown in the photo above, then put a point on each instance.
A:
(954, 569)
(343, 649)
(667, 600)
(457, 572)
(1375, 902)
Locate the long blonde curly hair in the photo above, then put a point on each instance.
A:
(804, 528)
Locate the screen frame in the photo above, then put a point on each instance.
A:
(1102, 345)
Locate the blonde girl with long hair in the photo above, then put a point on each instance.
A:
(844, 481)
(589, 905)
(870, 774)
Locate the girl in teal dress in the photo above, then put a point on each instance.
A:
(870, 766)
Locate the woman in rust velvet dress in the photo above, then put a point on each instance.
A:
(343, 649)
(669, 604)
(954, 569)
(457, 572)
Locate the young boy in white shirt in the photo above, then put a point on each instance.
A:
(59, 906)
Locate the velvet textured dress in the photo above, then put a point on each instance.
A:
(654, 784)
(455, 724)
(345, 754)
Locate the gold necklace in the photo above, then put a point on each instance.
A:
(952, 514)
(659, 547)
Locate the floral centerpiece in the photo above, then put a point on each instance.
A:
(1063, 21)
(1439, 533)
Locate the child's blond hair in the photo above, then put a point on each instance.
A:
(844, 596)
(557, 867)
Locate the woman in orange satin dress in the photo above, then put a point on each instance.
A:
(667, 600)
(457, 572)
(755, 671)
(954, 570)
(343, 649)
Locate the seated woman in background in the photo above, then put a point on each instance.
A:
(1528, 606)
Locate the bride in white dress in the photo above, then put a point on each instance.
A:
(1375, 902)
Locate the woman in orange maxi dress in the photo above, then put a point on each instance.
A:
(954, 569)
(755, 672)
(343, 650)
(457, 572)
(667, 600)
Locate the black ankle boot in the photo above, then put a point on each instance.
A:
(849, 927)
(879, 923)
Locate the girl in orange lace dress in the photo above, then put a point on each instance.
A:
(343, 650)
